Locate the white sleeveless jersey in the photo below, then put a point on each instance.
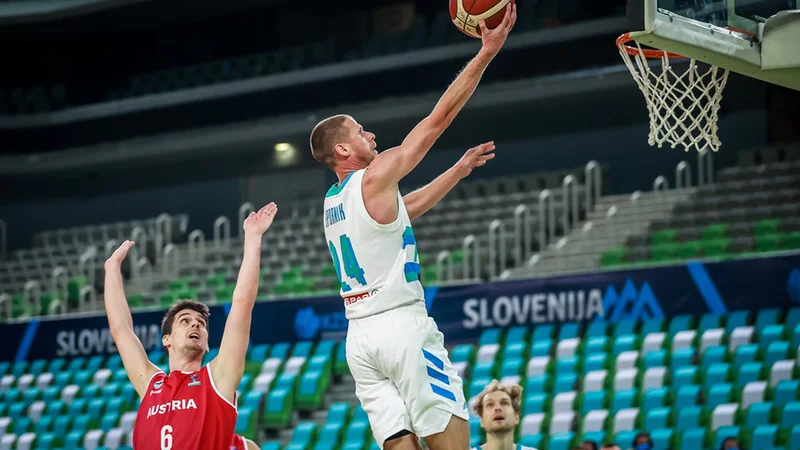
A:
(377, 264)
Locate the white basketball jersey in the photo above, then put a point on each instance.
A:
(377, 264)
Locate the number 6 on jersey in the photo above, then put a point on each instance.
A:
(351, 267)
(166, 437)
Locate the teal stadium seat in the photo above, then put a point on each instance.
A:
(709, 321)
(748, 373)
(541, 348)
(725, 432)
(657, 418)
(535, 403)
(517, 335)
(490, 336)
(770, 334)
(693, 439)
(596, 329)
(598, 344)
(463, 353)
(764, 436)
(680, 323)
(259, 353)
(662, 437)
(560, 441)
(714, 355)
(568, 331)
(304, 434)
(766, 317)
(280, 351)
(339, 413)
(515, 350)
(737, 319)
(745, 353)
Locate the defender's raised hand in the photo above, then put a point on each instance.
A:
(493, 40)
(475, 157)
(257, 223)
(116, 258)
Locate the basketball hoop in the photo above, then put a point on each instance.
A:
(683, 107)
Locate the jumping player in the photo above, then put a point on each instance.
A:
(194, 406)
(395, 352)
(498, 407)
(242, 443)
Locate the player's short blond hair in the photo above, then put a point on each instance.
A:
(514, 391)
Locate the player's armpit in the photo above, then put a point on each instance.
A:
(252, 445)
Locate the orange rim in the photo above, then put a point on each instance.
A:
(622, 42)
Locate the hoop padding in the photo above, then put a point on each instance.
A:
(683, 107)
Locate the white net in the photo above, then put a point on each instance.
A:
(683, 107)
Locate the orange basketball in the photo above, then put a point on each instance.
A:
(466, 14)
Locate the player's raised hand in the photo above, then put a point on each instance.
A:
(475, 157)
(257, 223)
(116, 258)
(494, 39)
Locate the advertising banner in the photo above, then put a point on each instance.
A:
(463, 312)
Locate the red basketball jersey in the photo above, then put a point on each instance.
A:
(238, 443)
(184, 411)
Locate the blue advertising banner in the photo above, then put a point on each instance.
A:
(462, 312)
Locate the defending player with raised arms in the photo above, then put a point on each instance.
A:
(194, 406)
(404, 379)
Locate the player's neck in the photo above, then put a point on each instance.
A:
(343, 173)
(179, 363)
(500, 441)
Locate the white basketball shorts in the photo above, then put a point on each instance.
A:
(404, 378)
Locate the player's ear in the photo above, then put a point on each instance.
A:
(165, 341)
(341, 149)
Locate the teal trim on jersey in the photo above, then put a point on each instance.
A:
(337, 188)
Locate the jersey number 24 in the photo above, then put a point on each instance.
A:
(351, 267)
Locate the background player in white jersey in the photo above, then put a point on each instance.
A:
(498, 407)
(404, 379)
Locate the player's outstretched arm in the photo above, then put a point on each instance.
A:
(423, 199)
(391, 166)
(227, 368)
(120, 322)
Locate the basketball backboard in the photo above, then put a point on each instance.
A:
(757, 38)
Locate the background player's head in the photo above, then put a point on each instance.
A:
(184, 330)
(341, 142)
(498, 407)
(642, 441)
(610, 446)
(729, 443)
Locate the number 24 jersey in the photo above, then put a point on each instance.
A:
(184, 411)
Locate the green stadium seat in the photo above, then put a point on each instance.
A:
(536, 403)
(654, 399)
(687, 396)
(709, 321)
(744, 354)
(613, 257)
(655, 325)
(682, 357)
(560, 441)
(595, 361)
(278, 408)
(357, 432)
(591, 401)
(304, 433)
(259, 353)
(532, 440)
(247, 422)
(622, 400)
(512, 367)
(483, 369)
(517, 334)
(340, 361)
(540, 332)
(685, 376)
(764, 437)
(777, 351)
(515, 350)
(568, 331)
(664, 236)
(657, 418)
(655, 359)
(280, 351)
(311, 390)
(693, 439)
(596, 329)
(717, 374)
(302, 349)
(565, 382)
(770, 334)
(725, 432)
(463, 353)
(541, 348)
(662, 437)
(664, 252)
(716, 248)
(624, 343)
(490, 336)
(737, 319)
(790, 415)
(714, 355)
(757, 414)
(785, 392)
(62, 424)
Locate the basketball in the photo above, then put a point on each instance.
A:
(466, 14)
